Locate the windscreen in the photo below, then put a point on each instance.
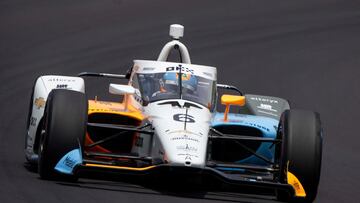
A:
(176, 85)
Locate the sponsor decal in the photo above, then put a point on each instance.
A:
(61, 80)
(187, 148)
(33, 121)
(184, 118)
(185, 137)
(183, 69)
(272, 101)
(39, 102)
(61, 86)
(69, 162)
(258, 126)
(266, 107)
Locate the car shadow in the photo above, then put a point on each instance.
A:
(176, 187)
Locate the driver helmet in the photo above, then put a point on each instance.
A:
(170, 82)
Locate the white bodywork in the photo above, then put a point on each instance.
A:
(184, 143)
(42, 88)
(181, 131)
(169, 46)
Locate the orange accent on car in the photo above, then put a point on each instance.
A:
(106, 107)
(120, 167)
(228, 100)
(296, 184)
(115, 108)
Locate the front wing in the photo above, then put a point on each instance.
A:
(73, 164)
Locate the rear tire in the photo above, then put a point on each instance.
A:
(301, 150)
(64, 130)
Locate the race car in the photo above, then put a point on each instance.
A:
(169, 120)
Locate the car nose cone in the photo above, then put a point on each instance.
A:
(183, 133)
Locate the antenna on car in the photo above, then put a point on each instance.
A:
(176, 32)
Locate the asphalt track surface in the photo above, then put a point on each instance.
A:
(305, 51)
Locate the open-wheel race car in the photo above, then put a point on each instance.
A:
(168, 120)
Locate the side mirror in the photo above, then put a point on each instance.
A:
(228, 100)
(121, 89)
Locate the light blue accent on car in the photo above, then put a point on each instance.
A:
(268, 127)
(67, 164)
(230, 169)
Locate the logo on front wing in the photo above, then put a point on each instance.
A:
(69, 162)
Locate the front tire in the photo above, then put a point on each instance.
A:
(64, 129)
(301, 151)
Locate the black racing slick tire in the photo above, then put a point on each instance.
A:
(64, 130)
(301, 151)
